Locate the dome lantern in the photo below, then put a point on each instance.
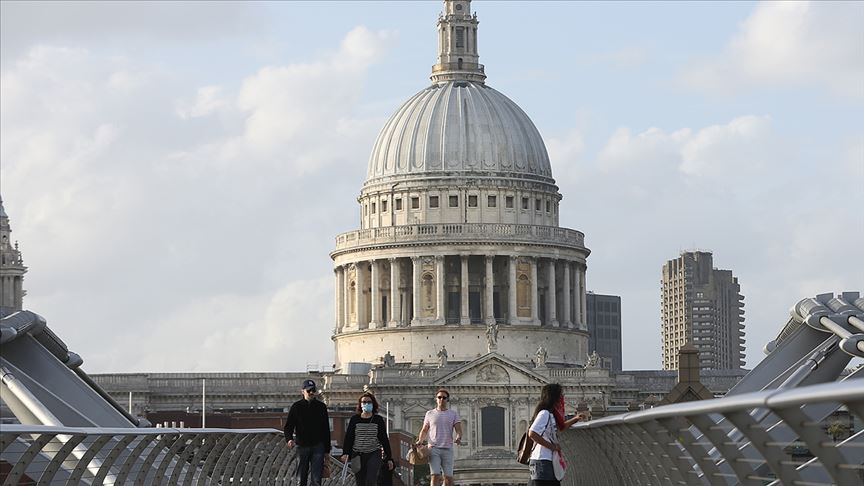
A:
(457, 45)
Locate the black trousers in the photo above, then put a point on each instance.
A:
(370, 466)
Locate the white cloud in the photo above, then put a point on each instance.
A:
(728, 187)
(183, 221)
(208, 100)
(791, 44)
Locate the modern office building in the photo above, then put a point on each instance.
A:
(702, 305)
(603, 315)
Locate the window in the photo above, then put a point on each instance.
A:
(460, 36)
(433, 201)
(537, 204)
(366, 209)
(524, 203)
(548, 206)
(508, 202)
(493, 425)
(398, 203)
(492, 201)
(454, 201)
(384, 206)
(373, 208)
(415, 202)
(472, 201)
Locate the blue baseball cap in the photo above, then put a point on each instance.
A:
(309, 385)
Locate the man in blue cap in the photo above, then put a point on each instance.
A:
(308, 428)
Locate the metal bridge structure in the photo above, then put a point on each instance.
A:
(774, 427)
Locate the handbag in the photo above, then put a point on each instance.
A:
(418, 456)
(559, 465)
(356, 464)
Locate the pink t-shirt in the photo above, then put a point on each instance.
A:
(441, 424)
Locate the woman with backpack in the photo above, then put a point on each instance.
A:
(547, 465)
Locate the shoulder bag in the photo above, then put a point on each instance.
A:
(418, 455)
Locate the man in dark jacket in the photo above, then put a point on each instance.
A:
(308, 427)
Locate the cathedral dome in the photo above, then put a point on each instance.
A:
(457, 127)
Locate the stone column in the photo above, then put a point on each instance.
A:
(490, 290)
(416, 263)
(338, 276)
(346, 294)
(361, 300)
(395, 311)
(439, 288)
(465, 318)
(376, 295)
(511, 291)
(583, 304)
(567, 296)
(534, 315)
(551, 301)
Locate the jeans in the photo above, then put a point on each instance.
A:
(310, 456)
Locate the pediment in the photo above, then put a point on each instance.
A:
(491, 369)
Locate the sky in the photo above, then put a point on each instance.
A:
(176, 173)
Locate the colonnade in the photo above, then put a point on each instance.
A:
(459, 289)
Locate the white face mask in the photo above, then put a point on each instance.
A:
(366, 407)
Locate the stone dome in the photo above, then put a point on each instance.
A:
(455, 127)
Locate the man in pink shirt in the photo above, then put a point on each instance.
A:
(439, 424)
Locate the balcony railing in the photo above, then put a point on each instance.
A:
(445, 232)
(768, 438)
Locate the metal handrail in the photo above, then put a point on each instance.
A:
(149, 456)
(751, 438)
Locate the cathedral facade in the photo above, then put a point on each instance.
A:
(459, 275)
(459, 252)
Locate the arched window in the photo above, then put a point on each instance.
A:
(492, 426)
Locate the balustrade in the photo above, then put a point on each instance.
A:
(461, 231)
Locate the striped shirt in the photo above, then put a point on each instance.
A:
(441, 423)
(366, 435)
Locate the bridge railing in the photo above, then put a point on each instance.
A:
(35, 454)
(788, 437)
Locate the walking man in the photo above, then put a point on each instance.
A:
(308, 427)
(439, 424)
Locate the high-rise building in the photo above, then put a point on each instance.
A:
(604, 329)
(704, 306)
(12, 268)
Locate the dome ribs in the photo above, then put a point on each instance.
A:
(405, 152)
(459, 126)
(422, 130)
(494, 119)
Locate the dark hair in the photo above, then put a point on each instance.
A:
(443, 390)
(549, 396)
(359, 408)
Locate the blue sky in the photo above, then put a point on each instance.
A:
(176, 172)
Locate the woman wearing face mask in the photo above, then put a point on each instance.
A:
(365, 438)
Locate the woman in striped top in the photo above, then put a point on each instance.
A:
(365, 438)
